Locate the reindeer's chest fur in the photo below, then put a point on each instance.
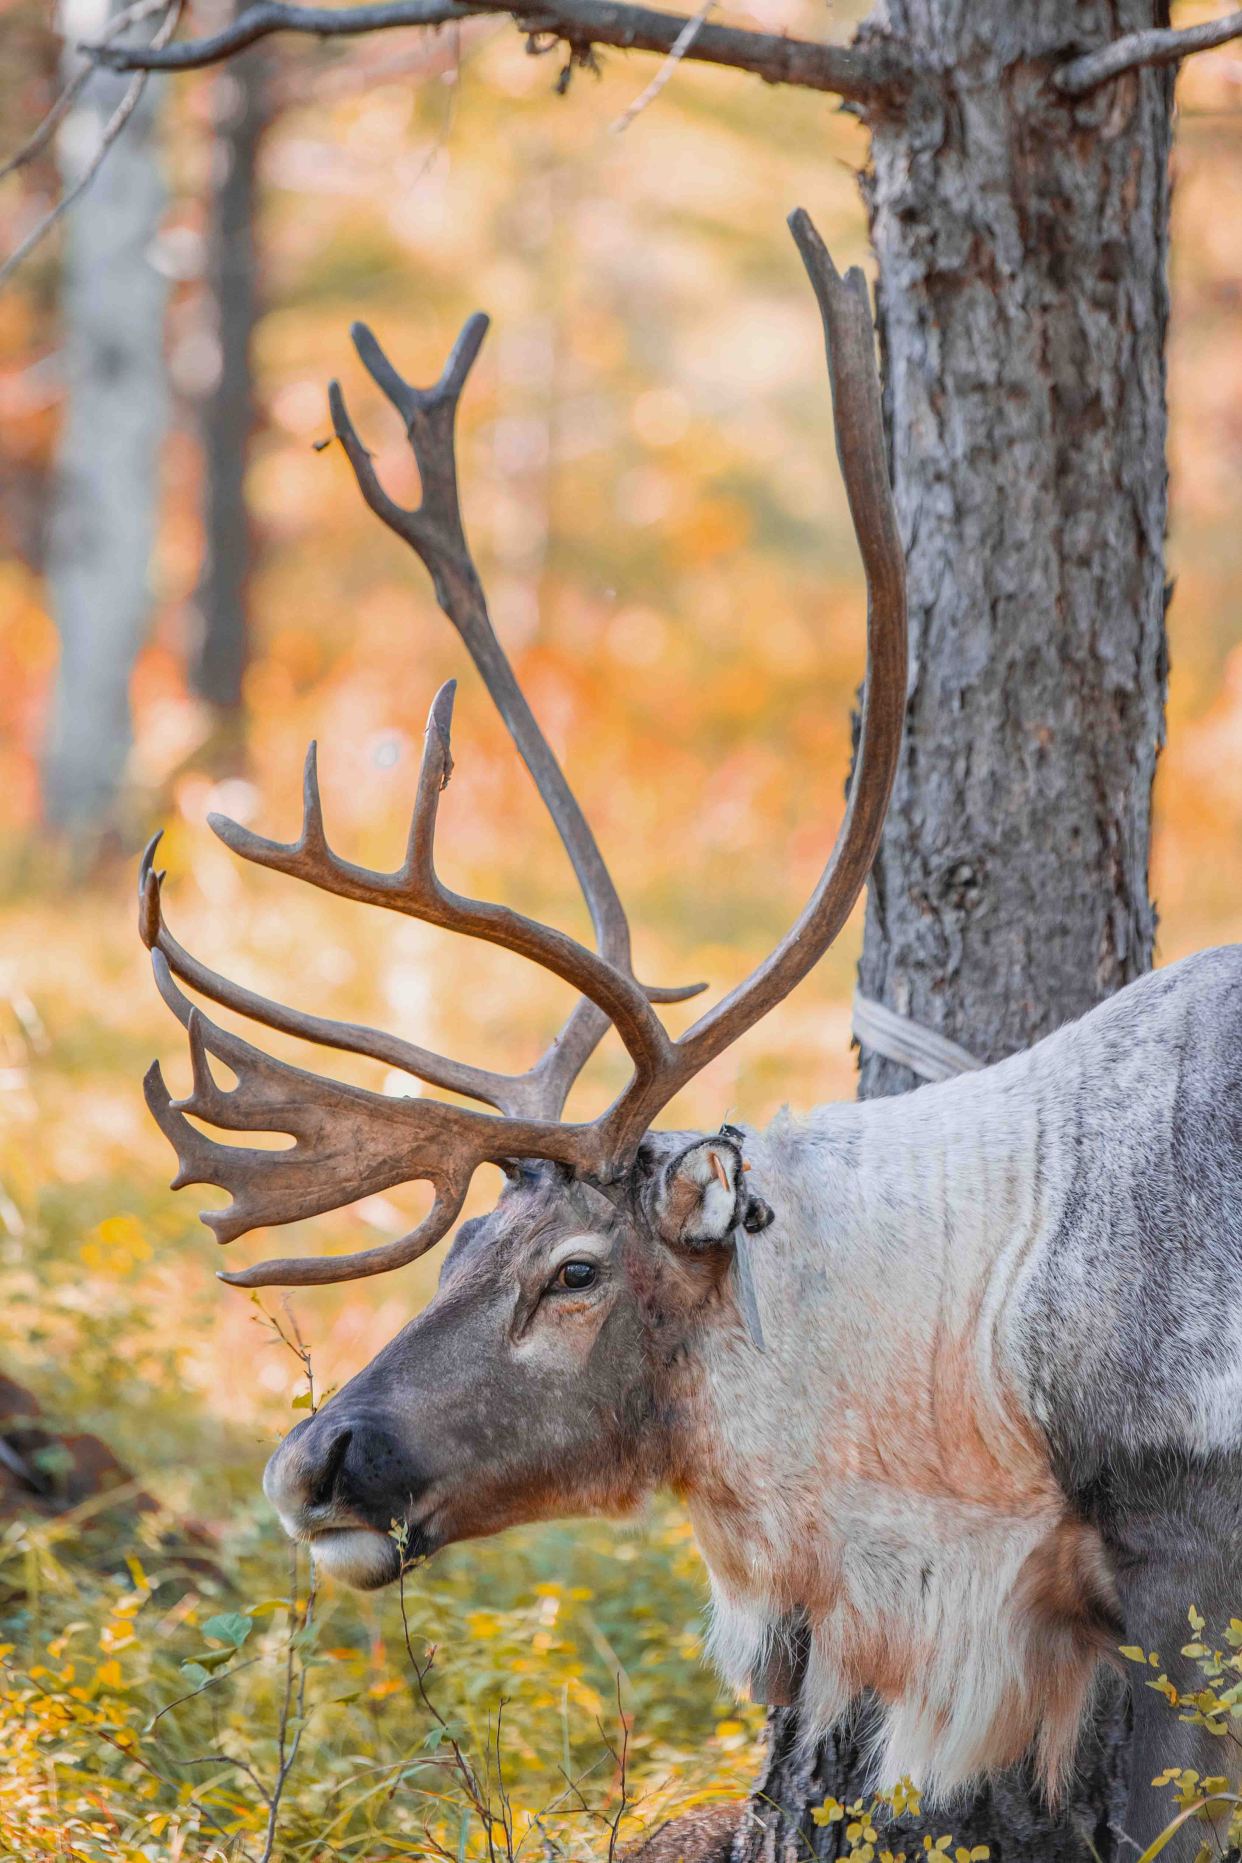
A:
(963, 1595)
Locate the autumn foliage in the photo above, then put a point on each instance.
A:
(650, 486)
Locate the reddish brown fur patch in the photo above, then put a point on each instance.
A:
(883, 1657)
(1066, 1595)
(682, 1204)
(928, 1428)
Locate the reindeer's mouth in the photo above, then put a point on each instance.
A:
(359, 1557)
(364, 1558)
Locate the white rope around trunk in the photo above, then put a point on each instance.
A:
(908, 1043)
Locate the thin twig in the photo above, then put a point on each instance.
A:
(43, 132)
(475, 1792)
(1166, 45)
(685, 39)
(229, 1759)
(112, 129)
(221, 1675)
(622, 1781)
(858, 74)
(294, 1341)
(293, 1701)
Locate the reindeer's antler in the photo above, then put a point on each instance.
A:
(348, 1142)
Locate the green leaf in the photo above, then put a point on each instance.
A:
(451, 1730)
(204, 1660)
(232, 1627)
(195, 1673)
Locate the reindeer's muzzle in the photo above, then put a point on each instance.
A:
(339, 1484)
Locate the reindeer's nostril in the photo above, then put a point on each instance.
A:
(324, 1486)
(331, 1473)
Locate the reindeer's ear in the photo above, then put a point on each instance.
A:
(694, 1194)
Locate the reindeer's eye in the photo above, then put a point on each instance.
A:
(577, 1275)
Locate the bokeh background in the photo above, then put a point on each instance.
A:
(651, 492)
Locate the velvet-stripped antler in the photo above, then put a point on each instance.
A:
(348, 1142)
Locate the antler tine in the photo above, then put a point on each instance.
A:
(324, 1271)
(429, 415)
(348, 1143)
(415, 889)
(859, 424)
(508, 1093)
(436, 533)
(419, 868)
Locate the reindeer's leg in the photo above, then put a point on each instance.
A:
(1173, 1523)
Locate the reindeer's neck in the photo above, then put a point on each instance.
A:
(876, 1457)
(884, 1281)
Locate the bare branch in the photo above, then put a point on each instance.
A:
(269, 16)
(112, 129)
(859, 75)
(1160, 46)
(43, 132)
(689, 33)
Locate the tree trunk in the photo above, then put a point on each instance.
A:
(107, 471)
(1021, 242)
(228, 416)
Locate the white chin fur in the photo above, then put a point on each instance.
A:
(357, 1557)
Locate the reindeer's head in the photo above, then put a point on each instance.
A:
(544, 1378)
(551, 1374)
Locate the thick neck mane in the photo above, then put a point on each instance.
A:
(876, 1468)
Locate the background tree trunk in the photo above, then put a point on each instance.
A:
(107, 471)
(222, 649)
(1022, 247)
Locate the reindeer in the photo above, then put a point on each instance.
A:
(949, 1383)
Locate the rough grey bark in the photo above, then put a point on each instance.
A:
(228, 415)
(107, 471)
(1021, 242)
(1022, 246)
